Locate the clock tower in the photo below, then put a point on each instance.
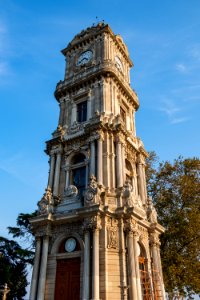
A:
(97, 235)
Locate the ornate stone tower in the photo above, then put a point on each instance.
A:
(97, 235)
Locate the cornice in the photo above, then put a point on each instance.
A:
(96, 72)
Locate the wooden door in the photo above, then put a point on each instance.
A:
(68, 279)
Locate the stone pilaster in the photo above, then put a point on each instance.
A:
(100, 160)
(89, 106)
(123, 275)
(43, 268)
(156, 271)
(95, 224)
(134, 275)
(57, 173)
(35, 273)
(92, 158)
(67, 171)
(119, 163)
(62, 111)
(73, 115)
(86, 260)
(51, 171)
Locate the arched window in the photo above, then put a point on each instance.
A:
(78, 173)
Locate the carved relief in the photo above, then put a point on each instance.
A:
(112, 237)
(112, 233)
(71, 191)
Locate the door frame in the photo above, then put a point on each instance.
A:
(54, 256)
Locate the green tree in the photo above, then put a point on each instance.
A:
(13, 262)
(14, 258)
(175, 189)
(23, 229)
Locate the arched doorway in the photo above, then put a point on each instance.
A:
(67, 284)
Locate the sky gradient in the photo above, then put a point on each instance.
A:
(163, 39)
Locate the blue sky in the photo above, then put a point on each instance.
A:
(163, 39)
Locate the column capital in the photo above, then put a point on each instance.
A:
(131, 226)
(154, 240)
(56, 149)
(101, 136)
(120, 138)
(62, 101)
(93, 223)
(141, 159)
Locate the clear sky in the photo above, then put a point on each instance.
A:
(163, 38)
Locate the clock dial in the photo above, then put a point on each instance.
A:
(118, 63)
(84, 58)
(70, 245)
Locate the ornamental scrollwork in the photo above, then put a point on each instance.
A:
(48, 202)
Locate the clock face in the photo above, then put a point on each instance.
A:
(70, 245)
(84, 58)
(118, 63)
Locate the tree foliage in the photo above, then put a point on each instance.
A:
(14, 258)
(23, 229)
(175, 189)
(13, 261)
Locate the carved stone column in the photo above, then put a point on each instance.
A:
(141, 179)
(119, 164)
(86, 269)
(100, 160)
(112, 161)
(62, 111)
(92, 158)
(123, 260)
(131, 228)
(132, 273)
(67, 170)
(51, 171)
(43, 268)
(73, 115)
(123, 163)
(95, 224)
(35, 273)
(89, 107)
(57, 173)
(156, 271)
(106, 160)
(137, 271)
(140, 182)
